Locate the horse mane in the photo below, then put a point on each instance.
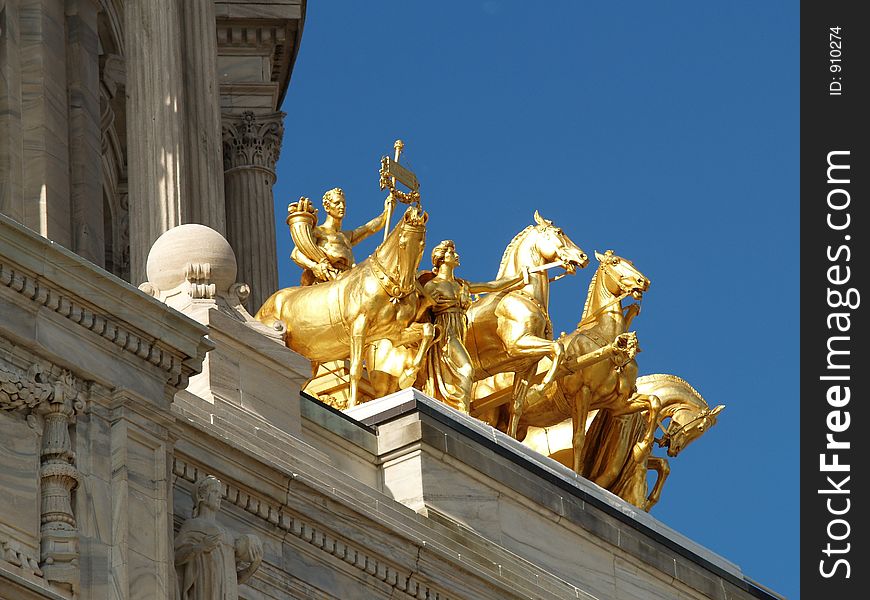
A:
(657, 377)
(589, 294)
(510, 249)
(380, 250)
(394, 233)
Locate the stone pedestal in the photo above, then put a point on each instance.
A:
(193, 269)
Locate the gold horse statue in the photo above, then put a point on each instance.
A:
(607, 459)
(508, 330)
(606, 384)
(511, 331)
(377, 299)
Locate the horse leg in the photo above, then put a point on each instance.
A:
(531, 346)
(385, 364)
(652, 405)
(521, 388)
(357, 339)
(558, 350)
(397, 363)
(643, 448)
(663, 469)
(427, 335)
(578, 423)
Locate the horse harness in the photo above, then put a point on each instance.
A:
(395, 290)
(667, 434)
(618, 363)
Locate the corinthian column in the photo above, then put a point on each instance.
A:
(204, 175)
(251, 145)
(154, 124)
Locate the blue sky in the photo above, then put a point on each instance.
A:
(666, 131)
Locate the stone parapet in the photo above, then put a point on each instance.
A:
(52, 300)
(456, 469)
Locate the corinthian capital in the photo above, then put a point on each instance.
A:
(252, 140)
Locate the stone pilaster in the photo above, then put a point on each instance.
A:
(251, 144)
(154, 124)
(53, 403)
(204, 181)
(83, 70)
(59, 477)
(141, 547)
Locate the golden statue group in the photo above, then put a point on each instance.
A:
(384, 322)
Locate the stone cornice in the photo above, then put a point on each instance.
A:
(256, 25)
(47, 276)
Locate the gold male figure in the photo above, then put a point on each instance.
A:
(333, 244)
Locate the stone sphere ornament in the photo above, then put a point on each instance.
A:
(190, 252)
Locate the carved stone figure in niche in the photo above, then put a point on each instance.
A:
(209, 561)
(324, 252)
(448, 370)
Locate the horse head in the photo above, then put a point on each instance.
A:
(552, 244)
(620, 276)
(688, 424)
(400, 254)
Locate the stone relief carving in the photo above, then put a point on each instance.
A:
(318, 538)
(112, 79)
(122, 251)
(210, 562)
(53, 404)
(112, 133)
(22, 390)
(12, 552)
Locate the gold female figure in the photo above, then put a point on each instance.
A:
(449, 373)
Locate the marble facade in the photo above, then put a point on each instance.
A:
(117, 401)
(120, 119)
